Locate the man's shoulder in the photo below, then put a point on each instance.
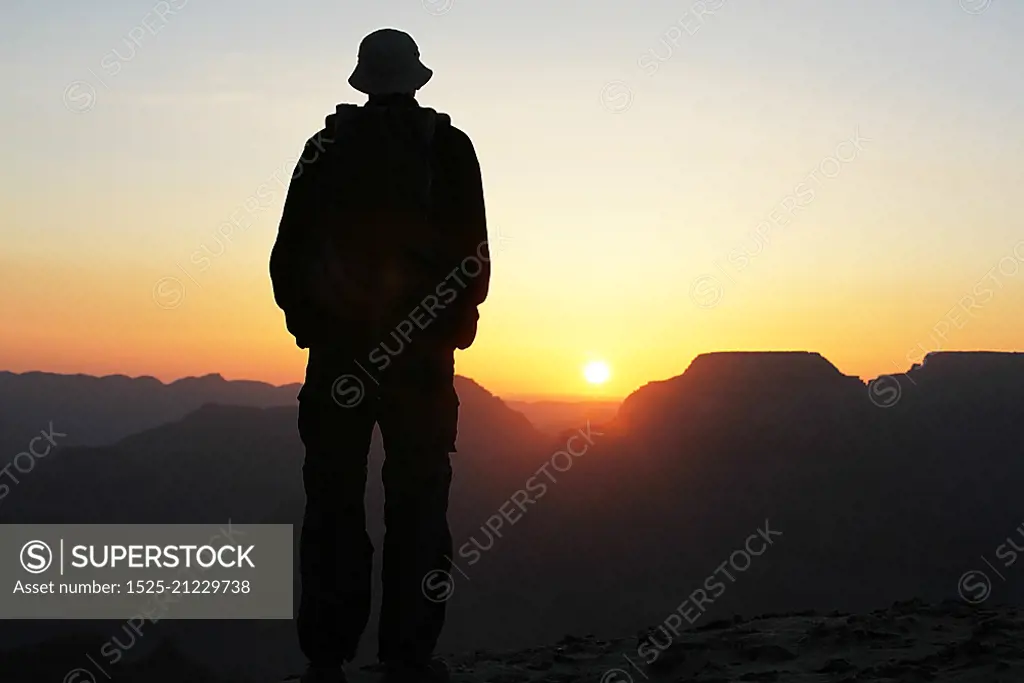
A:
(318, 141)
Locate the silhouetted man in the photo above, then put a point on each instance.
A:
(380, 263)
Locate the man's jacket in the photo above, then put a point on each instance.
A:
(364, 247)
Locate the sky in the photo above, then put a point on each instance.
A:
(663, 179)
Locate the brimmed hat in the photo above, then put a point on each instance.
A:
(389, 63)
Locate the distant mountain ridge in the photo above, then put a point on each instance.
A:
(553, 416)
(96, 411)
(99, 411)
(713, 377)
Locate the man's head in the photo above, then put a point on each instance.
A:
(389, 64)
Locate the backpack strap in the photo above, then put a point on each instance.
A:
(438, 120)
(343, 115)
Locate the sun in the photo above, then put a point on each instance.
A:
(597, 372)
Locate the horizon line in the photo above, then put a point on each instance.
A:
(527, 397)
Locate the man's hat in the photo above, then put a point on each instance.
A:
(389, 63)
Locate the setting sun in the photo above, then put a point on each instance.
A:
(597, 372)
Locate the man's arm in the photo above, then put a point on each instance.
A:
(291, 259)
(471, 220)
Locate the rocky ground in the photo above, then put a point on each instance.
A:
(910, 641)
(951, 642)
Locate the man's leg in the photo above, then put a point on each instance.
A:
(336, 556)
(419, 420)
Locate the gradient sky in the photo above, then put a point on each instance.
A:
(630, 151)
